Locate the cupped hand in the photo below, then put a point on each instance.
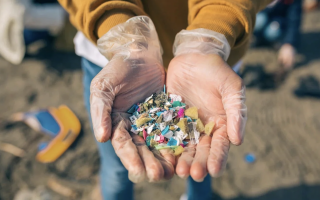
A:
(207, 82)
(134, 73)
(114, 90)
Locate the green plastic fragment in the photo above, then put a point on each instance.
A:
(176, 104)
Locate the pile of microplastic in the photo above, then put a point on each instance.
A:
(164, 122)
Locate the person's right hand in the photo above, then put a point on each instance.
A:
(134, 73)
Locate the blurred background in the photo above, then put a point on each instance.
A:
(280, 158)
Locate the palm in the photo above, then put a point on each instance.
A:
(135, 80)
(207, 82)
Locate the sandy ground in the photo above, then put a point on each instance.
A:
(282, 130)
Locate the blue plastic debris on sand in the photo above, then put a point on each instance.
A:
(48, 124)
(250, 158)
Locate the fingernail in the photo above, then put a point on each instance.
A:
(199, 180)
(183, 176)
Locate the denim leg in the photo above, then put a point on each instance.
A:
(196, 191)
(114, 181)
(261, 21)
(272, 32)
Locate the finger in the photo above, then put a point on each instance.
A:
(153, 167)
(218, 156)
(168, 155)
(101, 101)
(185, 160)
(199, 165)
(166, 162)
(236, 110)
(128, 153)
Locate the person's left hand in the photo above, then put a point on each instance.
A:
(287, 56)
(208, 83)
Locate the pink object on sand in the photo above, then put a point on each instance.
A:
(138, 109)
(182, 145)
(181, 113)
(145, 134)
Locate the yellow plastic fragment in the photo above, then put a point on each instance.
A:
(143, 120)
(192, 112)
(209, 127)
(200, 126)
(183, 125)
(178, 150)
(171, 128)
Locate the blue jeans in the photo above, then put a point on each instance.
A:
(114, 181)
(268, 29)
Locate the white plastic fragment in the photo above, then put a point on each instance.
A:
(134, 131)
(153, 110)
(162, 126)
(150, 128)
(168, 135)
(167, 115)
(175, 97)
(133, 119)
(147, 99)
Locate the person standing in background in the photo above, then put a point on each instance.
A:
(279, 25)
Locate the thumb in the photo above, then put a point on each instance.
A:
(101, 102)
(233, 100)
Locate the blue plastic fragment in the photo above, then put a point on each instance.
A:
(250, 158)
(172, 109)
(164, 88)
(159, 113)
(172, 142)
(134, 127)
(136, 114)
(184, 143)
(48, 123)
(189, 119)
(165, 130)
(137, 107)
(132, 109)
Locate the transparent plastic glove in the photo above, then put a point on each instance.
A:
(287, 56)
(133, 73)
(204, 80)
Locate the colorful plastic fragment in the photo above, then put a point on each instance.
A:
(192, 112)
(178, 150)
(181, 113)
(200, 126)
(183, 125)
(143, 120)
(209, 127)
(164, 123)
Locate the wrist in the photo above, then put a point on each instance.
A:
(136, 36)
(202, 41)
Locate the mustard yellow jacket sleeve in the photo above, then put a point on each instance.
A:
(95, 17)
(233, 18)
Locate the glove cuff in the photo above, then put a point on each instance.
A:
(202, 41)
(136, 35)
